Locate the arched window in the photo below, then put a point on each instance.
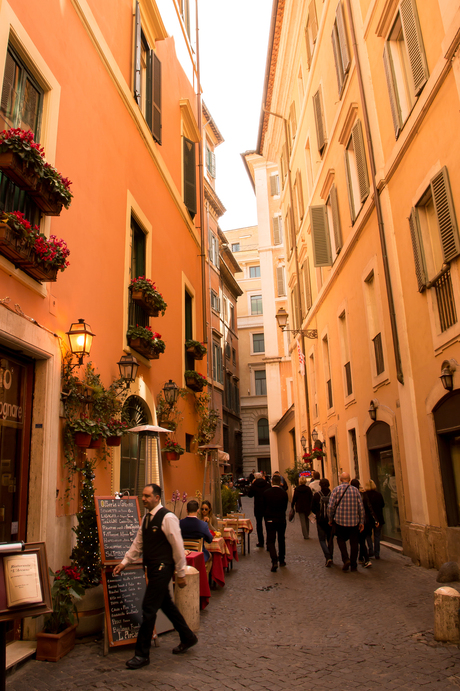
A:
(262, 432)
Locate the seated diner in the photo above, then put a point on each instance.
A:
(192, 528)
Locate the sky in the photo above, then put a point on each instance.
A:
(233, 52)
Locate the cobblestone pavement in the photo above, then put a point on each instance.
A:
(303, 627)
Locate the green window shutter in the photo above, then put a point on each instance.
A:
(336, 219)
(280, 283)
(417, 247)
(343, 40)
(337, 59)
(137, 55)
(322, 255)
(276, 230)
(149, 90)
(189, 176)
(319, 120)
(307, 284)
(8, 82)
(360, 155)
(445, 213)
(313, 20)
(414, 44)
(156, 91)
(392, 91)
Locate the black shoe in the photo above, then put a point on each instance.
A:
(329, 563)
(282, 563)
(354, 568)
(182, 647)
(346, 565)
(260, 544)
(377, 556)
(137, 662)
(274, 567)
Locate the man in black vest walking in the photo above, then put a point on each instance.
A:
(159, 540)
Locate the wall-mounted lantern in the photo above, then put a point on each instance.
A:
(80, 340)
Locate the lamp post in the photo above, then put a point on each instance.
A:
(80, 340)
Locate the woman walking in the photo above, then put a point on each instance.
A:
(377, 503)
(301, 502)
(319, 508)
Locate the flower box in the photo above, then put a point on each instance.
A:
(46, 199)
(10, 244)
(17, 170)
(29, 263)
(198, 351)
(139, 297)
(113, 441)
(143, 347)
(53, 646)
(193, 384)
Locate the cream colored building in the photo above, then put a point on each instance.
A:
(359, 112)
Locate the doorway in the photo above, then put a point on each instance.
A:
(447, 423)
(136, 413)
(382, 471)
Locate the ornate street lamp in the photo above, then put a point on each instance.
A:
(128, 366)
(80, 340)
(171, 392)
(373, 410)
(314, 436)
(447, 374)
(282, 318)
(303, 441)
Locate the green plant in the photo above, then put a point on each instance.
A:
(146, 334)
(229, 499)
(58, 184)
(193, 374)
(22, 143)
(83, 424)
(173, 447)
(86, 552)
(200, 347)
(293, 473)
(116, 428)
(168, 414)
(67, 588)
(208, 419)
(147, 286)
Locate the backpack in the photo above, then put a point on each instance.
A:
(323, 504)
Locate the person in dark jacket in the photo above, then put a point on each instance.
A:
(194, 529)
(275, 502)
(377, 502)
(369, 514)
(256, 490)
(283, 483)
(301, 502)
(319, 507)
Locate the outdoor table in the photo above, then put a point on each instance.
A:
(243, 524)
(231, 540)
(196, 559)
(220, 555)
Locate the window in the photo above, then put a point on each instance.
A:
(217, 367)
(234, 356)
(300, 84)
(405, 63)
(232, 316)
(311, 31)
(189, 164)
(235, 246)
(345, 351)
(215, 301)
(309, 167)
(147, 80)
(374, 324)
(435, 242)
(314, 395)
(326, 230)
(292, 122)
(319, 120)
(188, 330)
(256, 304)
(22, 99)
(214, 249)
(277, 222)
(224, 309)
(298, 196)
(210, 162)
(327, 372)
(263, 436)
(306, 285)
(137, 314)
(228, 351)
(260, 382)
(188, 442)
(258, 343)
(354, 451)
(185, 13)
(274, 185)
(254, 271)
(280, 281)
(356, 169)
(340, 48)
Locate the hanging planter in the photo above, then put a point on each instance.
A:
(31, 264)
(47, 199)
(194, 380)
(145, 341)
(172, 456)
(10, 243)
(95, 443)
(18, 170)
(172, 450)
(82, 439)
(113, 441)
(140, 298)
(197, 349)
(145, 294)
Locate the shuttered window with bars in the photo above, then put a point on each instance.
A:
(189, 164)
(326, 230)
(340, 48)
(319, 120)
(292, 122)
(217, 365)
(356, 170)
(327, 372)
(277, 222)
(311, 31)
(299, 195)
(405, 63)
(345, 353)
(210, 162)
(436, 242)
(306, 285)
(147, 79)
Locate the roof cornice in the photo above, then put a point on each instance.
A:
(211, 196)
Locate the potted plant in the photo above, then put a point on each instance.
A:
(52, 191)
(115, 430)
(194, 380)
(208, 419)
(83, 429)
(198, 349)
(58, 635)
(145, 341)
(21, 159)
(100, 432)
(145, 294)
(172, 450)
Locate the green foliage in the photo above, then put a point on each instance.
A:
(146, 334)
(173, 446)
(86, 552)
(293, 473)
(198, 347)
(229, 499)
(169, 415)
(193, 374)
(147, 286)
(208, 419)
(67, 588)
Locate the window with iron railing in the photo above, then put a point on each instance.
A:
(445, 299)
(378, 352)
(137, 316)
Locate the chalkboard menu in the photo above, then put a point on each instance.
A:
(117, 522)
(123, 596)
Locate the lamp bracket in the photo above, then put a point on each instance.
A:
(307, 333)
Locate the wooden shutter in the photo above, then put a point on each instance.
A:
(419, 260)
(156, 91)
(295, 207)
(336, 219)
(274, 185)
(276, 230)
(149, 90)
(319, 121)
(360, 156)
(137, 55)
(298, 179)
(351, 200)
(445, 213)
(189, 176)
(293, 120)
(313, 20)
(307, 282)
(343, 40)
(8, 82)
(322, 255)
(337, 59)
(307, 41)
(213, 164)
(281, 287)
(288, 230)
(414, 44)
(392, 91)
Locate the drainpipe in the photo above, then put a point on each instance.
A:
(201, 182)
(378, 207)
(297, 271)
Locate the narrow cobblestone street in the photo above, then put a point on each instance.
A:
(303, 627)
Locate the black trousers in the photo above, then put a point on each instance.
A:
(157, 597)
(260, 528)
(276, 528)
(344, 533)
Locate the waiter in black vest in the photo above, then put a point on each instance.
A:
(160, 541)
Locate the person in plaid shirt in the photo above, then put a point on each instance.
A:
(346, 512)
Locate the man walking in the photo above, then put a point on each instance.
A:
(160, 542)
(275, 501)
(346, 511)
(256, 490)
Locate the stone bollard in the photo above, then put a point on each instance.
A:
(188, 599)
(446, 614)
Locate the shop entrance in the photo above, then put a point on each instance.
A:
(136, 413)
(447, 422)
(382, 471)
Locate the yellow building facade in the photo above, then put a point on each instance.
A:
(359, 114)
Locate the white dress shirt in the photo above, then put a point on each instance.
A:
(171, 529)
